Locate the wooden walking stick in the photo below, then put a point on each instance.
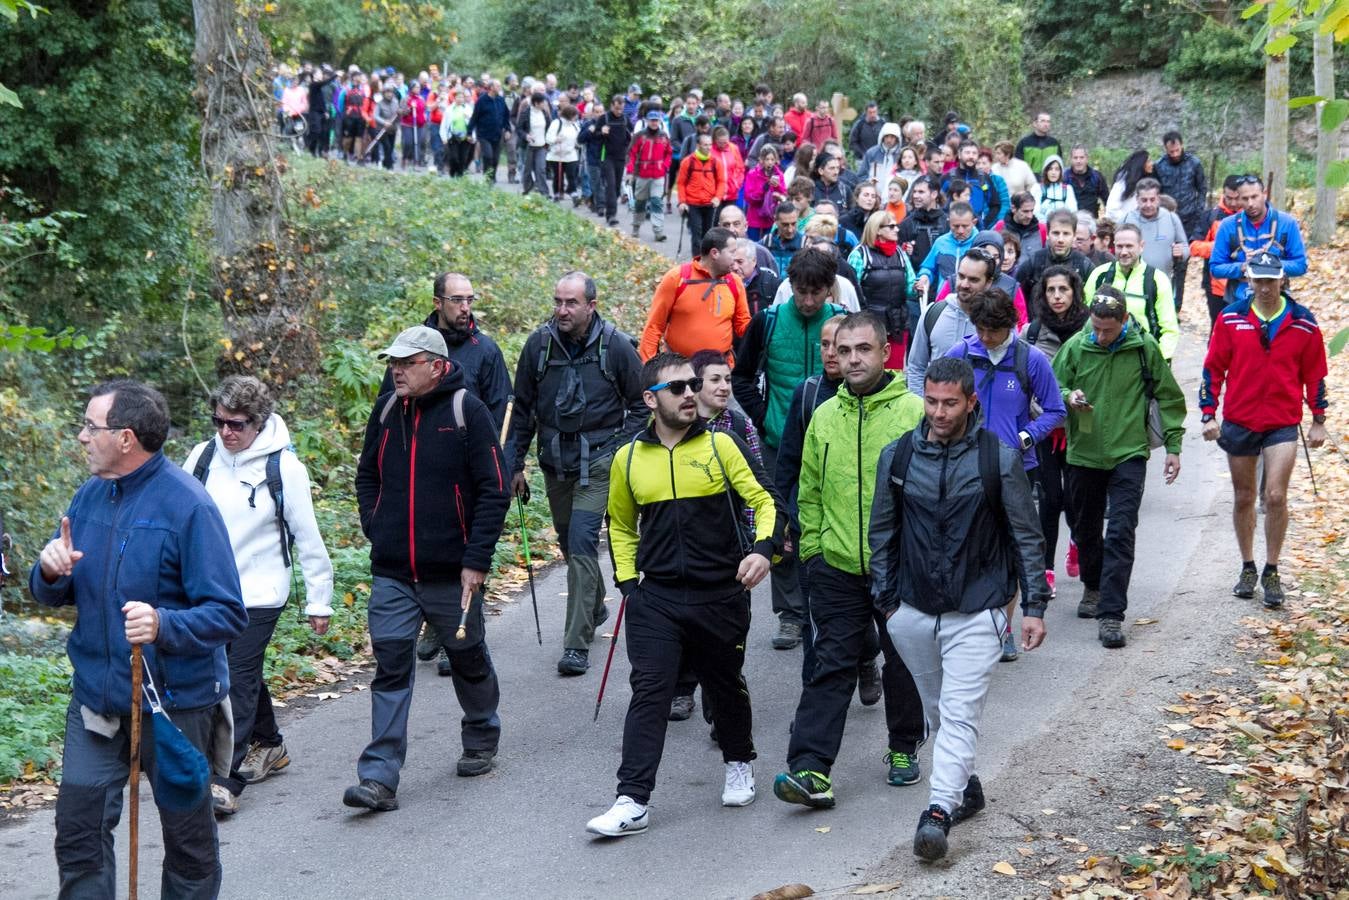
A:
(462, 631)
(134, 824)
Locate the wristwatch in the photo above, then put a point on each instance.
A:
(1026, 440)
(1206, 418)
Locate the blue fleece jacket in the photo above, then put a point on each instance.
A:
(942, 259)
(1006, 408)
(1237, 239)
(154, 536)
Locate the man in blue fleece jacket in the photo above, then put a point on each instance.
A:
(144, 556)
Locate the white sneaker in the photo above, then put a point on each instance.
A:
(739, 790)
(625, 817)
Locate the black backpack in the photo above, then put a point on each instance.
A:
(1020, 362)
(274, 487)
(989, 472)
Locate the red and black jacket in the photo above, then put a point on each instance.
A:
(433, 497)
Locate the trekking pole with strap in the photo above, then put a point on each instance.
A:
(1307, 454)
(524, 533)
(680, 246)
(133, 826)
(613, 642)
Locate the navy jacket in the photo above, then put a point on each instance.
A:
(154, 536)
(490, 118)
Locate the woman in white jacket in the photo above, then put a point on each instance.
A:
(563, 156)
(1053, 193)
(233, 466)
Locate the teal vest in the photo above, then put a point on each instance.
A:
(791, 355)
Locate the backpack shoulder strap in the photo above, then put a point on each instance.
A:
(990, 472)
(1032, 332)
(930, 318)
(627, 474)
(809, 395)
(388, 407)
(1149, 385)
(276, 488)
(545, 348)
(1150, 301)
(457, 404)
(1021, 362)
(204, 461)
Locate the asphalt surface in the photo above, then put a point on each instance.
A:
(519, 832)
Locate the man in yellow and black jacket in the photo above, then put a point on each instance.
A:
(676, 496)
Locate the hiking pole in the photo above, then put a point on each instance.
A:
(680, 246)
(1307, 453)
(135, 753)
(529, 568)
(613, 642)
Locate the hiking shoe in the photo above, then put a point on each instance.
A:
(263, 761)
(739, 789)
(1071, 565)
(1272, 589)
(475, 762)
(443, 667)
(869, 683)
(428, 645)
(1009, 651)
(370, 794)
(903, 768)
(1245, 586)
(1111, 634)
(681, 708)
(573, 662)
(612, 222)
(929, 841)
(223, 803)
(625, 817)
(1089, 605)
(805, 787)
(788, 636)
(1049, 579)
(636, 231)
(971, 803)
(660, 237)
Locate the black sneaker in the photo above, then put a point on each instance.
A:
(1245, 586)
(807, 788)
(370, 794)
(573, 662)
(971, 803)
(929, 841)
(1111, 633)
(788, 635)
(904, 768)
(1272, 589)
(869, 683)
(429, 643)
(1089, 605)
(475, 762)
(681, 708)
(443, 667)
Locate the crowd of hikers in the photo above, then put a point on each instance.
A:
(898, 365)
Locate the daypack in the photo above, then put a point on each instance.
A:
(1020, 361)
(989, 473)
(1149, 295)
(274, 487)
(810, 396)
(545, 361)
(570, 399)
(686, 278)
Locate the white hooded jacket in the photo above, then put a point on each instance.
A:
(232, 481)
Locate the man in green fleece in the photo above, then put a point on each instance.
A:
(838, 477)
(1109, 372)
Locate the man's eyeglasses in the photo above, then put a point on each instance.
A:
(470, 298)
(678, 386)
(405, 363)
(90, 427)
(234, 425)
(568, 302)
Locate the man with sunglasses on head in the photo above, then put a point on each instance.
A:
(945, 323)
(578, 386)
(686, 570)
(432, 493)
(1268, 352)
(1257, 228)
(485, 376)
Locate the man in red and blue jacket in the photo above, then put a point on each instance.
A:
(1257, 228)
(1270, 352)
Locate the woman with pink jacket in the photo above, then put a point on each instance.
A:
(764, 190)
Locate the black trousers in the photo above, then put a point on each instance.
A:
(613, 177)
(842, 613)
(1107, 563)
(700, 221)
(458, 154)
(564, 177)
(250, 701)
(491, 154)
(660, 630)
(1051, 481)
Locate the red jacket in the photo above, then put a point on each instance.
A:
(796, 122)
(1266, 384)
(650, 157)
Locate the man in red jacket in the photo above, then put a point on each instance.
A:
(1270, 352)
(649, 159)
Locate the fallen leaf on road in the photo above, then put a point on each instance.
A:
(1145, 621)
(786, 892)
(879, 888)
(1004, 868)
(1176, 744)
(824, 829)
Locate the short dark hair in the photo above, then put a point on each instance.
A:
(704, 358)
(785, 208)
(1109, 303)
(139, 407)
(1232, 182)
(1066, 216)
(865, 319)
(666, 359)
(1147, 184)
(715, 238)
(1129, 226)
(951, 370)
(958, 186)
(1020, 198)
(617, 98)
(702, 121)
(987, 255)
(812, 269)
(966, 142)
(960, 208)
(1172, 136)
(992, 308)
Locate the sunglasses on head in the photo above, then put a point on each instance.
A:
(1248, 179)
(678, 386)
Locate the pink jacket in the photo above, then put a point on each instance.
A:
(759, 202)
(735, 169)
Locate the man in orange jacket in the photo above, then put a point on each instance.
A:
(699, 305)
(1215, 289)
(701, 186)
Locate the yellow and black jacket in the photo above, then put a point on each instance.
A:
(672, 519)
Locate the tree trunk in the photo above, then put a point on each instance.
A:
(257, 278)
(1276, 124)
(1327, 142)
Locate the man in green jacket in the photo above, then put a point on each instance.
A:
(838, 477)
(1109, 372)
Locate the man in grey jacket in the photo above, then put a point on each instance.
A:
(1165, 245)
(977, 270)
(950, 483)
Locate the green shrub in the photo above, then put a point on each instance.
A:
(34, 693)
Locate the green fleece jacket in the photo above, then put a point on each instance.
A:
(838, 461)
(1115, 429)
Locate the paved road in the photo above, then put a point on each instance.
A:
(520, 831)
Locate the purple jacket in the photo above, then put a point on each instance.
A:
(1003, 396)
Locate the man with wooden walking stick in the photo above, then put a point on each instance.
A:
(143, 555)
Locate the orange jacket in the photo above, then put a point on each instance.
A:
(1204, 250)
(700, 316)
(701, 182)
